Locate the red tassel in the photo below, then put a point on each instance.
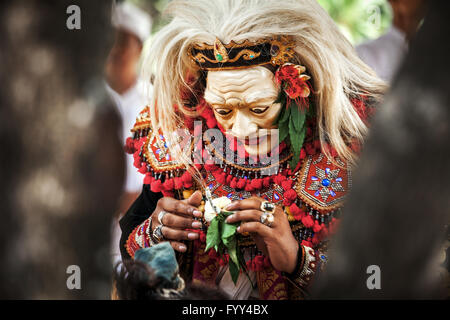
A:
(279, 178)
(137, 160)
(233, 183)
(308, 221)
(186, 177)
(241, 183)
(221, 177)
(266, 181)
(229, 178)
(178, 183)
(143, 169)
(297, 212)
(287, 202)
(129, 146)
(290, 194)
(248, 187)
(148, 179)
(156, 186)
(317, 227)
(257, 183)
(168, 184)
(287, 185)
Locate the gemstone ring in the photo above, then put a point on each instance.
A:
(267, 206)
(267, 219)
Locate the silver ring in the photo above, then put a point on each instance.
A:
(161, 215)
(157, 234)
(267, 219)
(267, 206)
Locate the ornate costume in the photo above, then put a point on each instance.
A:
(308, 180)
(311, 196)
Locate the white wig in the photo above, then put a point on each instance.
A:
(337, 72)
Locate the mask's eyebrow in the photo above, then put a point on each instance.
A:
(261, 97)
(213, 98)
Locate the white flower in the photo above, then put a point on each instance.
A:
(220, 203)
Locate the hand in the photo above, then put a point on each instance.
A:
(276, 241)
(178, 218)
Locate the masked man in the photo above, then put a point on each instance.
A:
(275, 102)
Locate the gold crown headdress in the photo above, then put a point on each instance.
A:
(219, 56)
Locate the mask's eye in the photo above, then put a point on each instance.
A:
(222, 111)
(259, 110)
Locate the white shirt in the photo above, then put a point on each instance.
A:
(385, 53)
(128, 105)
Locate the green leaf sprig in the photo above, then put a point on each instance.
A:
(222, 235)
(292, 125)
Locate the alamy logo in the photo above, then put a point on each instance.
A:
(74, 20)
(74, 280)
(374, 15)
(374, 280)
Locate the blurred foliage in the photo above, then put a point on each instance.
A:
(359, 20)
(155, 9)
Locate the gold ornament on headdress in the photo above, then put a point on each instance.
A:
(220, 52)
(219, 56)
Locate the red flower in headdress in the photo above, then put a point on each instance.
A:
(293, 80)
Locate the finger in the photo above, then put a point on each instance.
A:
(174, 234)
(178, 246)
(245, 215)
(179, 207)
(255, 227)
(195, 199)
(246, 204)
(179, 222)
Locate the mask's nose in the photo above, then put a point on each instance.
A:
(243, 126)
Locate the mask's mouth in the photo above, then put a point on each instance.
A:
(254, 139)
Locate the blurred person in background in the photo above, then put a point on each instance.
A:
(385, 53)
(132, 27)
(61, 178)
